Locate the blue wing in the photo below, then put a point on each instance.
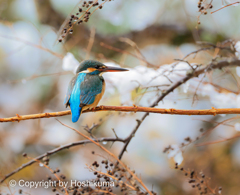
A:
(83, 90)
(90, 87)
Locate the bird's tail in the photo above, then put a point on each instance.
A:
(76, 112)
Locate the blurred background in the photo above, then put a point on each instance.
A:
(36, 70)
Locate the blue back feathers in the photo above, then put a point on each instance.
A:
(82, 92)
(74, 100)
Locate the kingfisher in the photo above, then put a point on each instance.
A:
(86, 89)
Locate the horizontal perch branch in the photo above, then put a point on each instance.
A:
(212, 111)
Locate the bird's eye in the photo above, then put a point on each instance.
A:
(99, 67)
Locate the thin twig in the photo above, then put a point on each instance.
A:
(90, 43)
(134, 45)
(33, 45)
(218, 141)
(37, 76)
(181, 60)
(225, 6)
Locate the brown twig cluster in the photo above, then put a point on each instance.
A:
(199, 181)
(187, 141)
(205, 5)
(119, 162)
(124, 182)
(82, 15)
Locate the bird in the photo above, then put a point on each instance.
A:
(87, 87)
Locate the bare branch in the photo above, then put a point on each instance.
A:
(211, 66)
(56, 150)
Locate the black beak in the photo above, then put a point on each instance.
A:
(112, 69)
